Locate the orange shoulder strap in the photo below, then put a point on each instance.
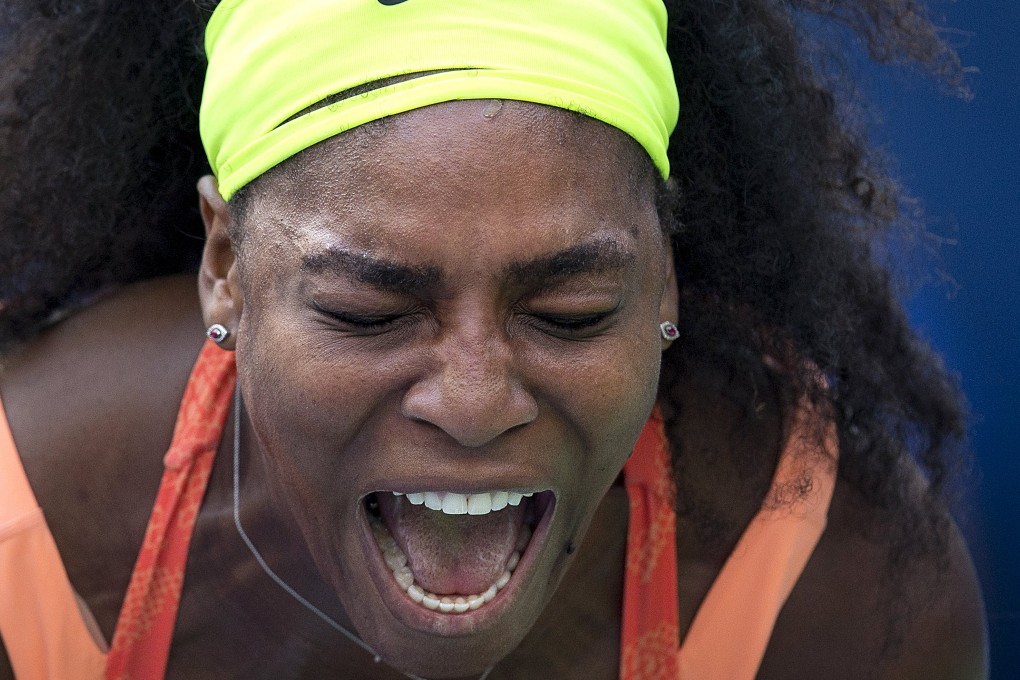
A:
(730, 633)
(141, 644)
(650, 613)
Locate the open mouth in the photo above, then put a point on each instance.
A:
(453, 553)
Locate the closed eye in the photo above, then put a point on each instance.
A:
(360, 322)
(570, 325)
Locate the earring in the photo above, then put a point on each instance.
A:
(669, 331)
(217, 333)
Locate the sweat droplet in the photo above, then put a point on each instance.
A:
(493, 108)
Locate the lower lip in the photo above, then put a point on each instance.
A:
(417, 617)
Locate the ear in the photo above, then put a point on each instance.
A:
(669, 308)
(219, 287)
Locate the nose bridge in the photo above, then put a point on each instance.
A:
(472, 391)
(475, 357)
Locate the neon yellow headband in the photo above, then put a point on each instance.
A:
(271, 59)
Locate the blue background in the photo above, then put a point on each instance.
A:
(962, 159)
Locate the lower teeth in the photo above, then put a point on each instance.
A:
(447, 604)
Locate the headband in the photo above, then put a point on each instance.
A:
(270, 60)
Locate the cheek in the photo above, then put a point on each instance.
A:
(302, 410)
(610, 386)
(308, 417)
(605, 397)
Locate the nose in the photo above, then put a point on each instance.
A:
(470, 390)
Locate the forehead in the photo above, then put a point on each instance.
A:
(469, 173)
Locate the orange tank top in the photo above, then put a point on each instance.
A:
(46, 636)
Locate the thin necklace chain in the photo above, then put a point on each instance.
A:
(272, 574)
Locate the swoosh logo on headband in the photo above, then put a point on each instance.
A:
(390, 3)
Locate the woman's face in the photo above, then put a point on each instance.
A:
(460, 306)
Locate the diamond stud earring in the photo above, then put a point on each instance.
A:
(217, 333)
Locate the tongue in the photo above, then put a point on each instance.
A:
(452, 554)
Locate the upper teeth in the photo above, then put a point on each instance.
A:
(465, 503)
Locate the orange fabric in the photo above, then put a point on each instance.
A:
(744, 602)
(43, 630)
(731, 630)
(141, 644)
(650, 617)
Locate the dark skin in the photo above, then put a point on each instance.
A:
(453, 373)
(63, 393)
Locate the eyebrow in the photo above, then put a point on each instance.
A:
(584, 258)
(373, 271)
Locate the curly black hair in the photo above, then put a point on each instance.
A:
(780, 214)
(99, 151)
(777, 207)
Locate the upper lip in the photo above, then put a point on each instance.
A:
(454, 503)
(490, 489)
(449, 484)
